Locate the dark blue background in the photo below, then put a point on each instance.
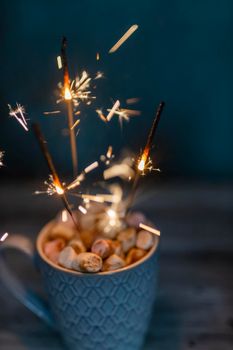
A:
(182, 53)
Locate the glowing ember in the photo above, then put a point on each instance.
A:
(18, 114)
(59, 190)
(141, 164)
(52, 188)
(129, 32)
(67, 94)
(150, 229)
(4, 236)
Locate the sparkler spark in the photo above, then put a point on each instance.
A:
(91, 167)
(124, 114)
(75, 124)
(4, 236)
(79, 91)
(52, 187)
(81, 177)
(18, 114)
(97, 56)
(106, 158)
(1, 158)
(59, 62)
(109, 152)
(121, 170)
(132, 100)
(149, 229)
(52, 112)
(112, 110)
(145, 164)
(64, 216)
(100, 114)
(129, 32)
(93, 198)
(82, 209)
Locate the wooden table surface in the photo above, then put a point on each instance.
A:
(194, 308)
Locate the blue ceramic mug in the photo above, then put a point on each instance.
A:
(102, 311)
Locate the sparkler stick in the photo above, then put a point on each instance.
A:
(68, 99)
(129, 32)
(145, 155)
(44, 149)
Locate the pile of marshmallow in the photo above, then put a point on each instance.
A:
(88, 249)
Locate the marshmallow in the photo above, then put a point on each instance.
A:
(66, 257)
(52, 249)
(127, 239)
(145, 240)
(102, 247)
(87, 262)
(113, 262)
(134, 255)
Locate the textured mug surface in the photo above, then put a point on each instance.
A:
(108, 310)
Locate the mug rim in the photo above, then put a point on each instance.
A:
(39, 244)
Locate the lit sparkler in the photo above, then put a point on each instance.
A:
(56, 184)
(18, 114)
(144, 160)
(129, 32)
(52, 187)
(68, 99)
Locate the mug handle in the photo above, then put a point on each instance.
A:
(32, 301)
